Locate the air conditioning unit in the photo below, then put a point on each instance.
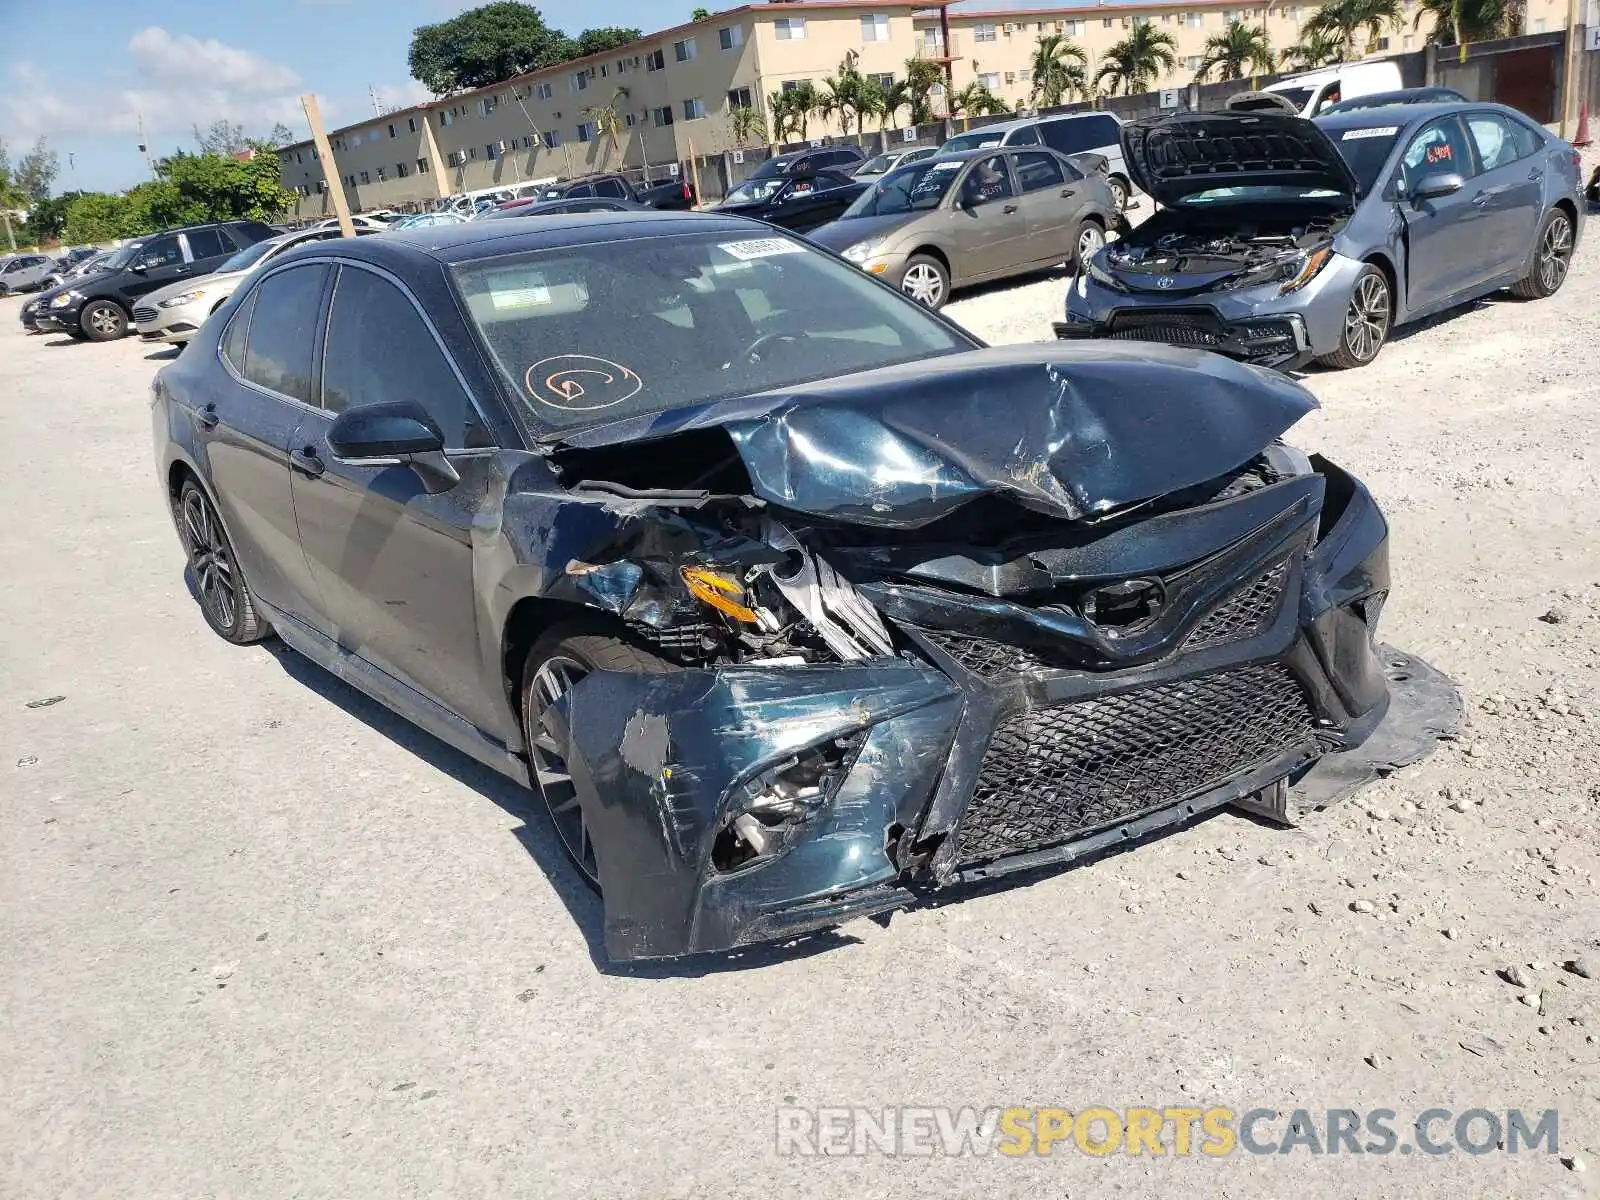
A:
(504, 146)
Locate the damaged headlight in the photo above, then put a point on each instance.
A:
(1292, 272)
(1101, 274)
(769, 810)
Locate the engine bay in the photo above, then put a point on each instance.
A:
(1167, 245)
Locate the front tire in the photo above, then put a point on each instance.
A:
(1550, 261)
(1367, 319)
(103, 321)
(225, 598)
(556, 663)
(927, 281)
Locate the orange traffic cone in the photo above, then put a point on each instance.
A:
(1583, 125)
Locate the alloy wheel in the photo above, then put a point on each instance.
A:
(210, 560)
(103, 320)
(1119, 193)
(1090, 240)
(555, 677)
(1367, 321)
(924, 285)
(1555, 253)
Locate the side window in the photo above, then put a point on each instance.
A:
(612, 188)
(379, 348)
(282, 329)
(1437, 149)
(1500, 140)
(1028, 135)
(161, 252)
(583, 189)
(207, 243)
(237, 335)
(1038, 171)
(987, 182)
(16, 264)
(1069, 137)
(830, 179)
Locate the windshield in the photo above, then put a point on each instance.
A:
(249, 256)
(1366, 150)
(917, 188)
(122, 256)
(875, 166)
(607, 330)
(978, 140)
(755, 191)
(1297, 96)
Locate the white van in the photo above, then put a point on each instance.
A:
(1315, 90)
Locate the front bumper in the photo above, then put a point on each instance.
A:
(58, 320)
(1280, 342)
(989, 756)
(175, 325)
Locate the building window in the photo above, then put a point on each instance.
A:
(656, 60)
(447, 118)
(624, 66)
(1383, 43)
(1408, 41)
(411, 124)
(579, 81)
(422, 166)
(552, 139)
(789, 85)
(990, 80)
(685, 50)
(586, 131)
(740, 98)
(1229, 16)
(365, 178)
(885, 80)
(1192, 63)
(392, 133)
(1076, 28)
(401, 170)
(543, 91)
(789, 29)
(730, 37)
(875, 27)
(487, 105)
(694, 109)
(629, 120)
(1105, 23)
(1194, 20)
(984, 33)
(661, 116)
(491, 151)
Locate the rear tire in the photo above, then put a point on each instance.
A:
(1551, 259)
(1119, 191)
(225, 598)
(1091, 237)
(5, 290)
(926, 281)
(103, 321)
(1367, 319)
(556, 662)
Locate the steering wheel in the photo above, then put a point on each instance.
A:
(754, 351)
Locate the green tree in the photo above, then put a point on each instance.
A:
(47, 218)
(700, 14)
(607, 120)
(797, 106)
(1345, 19)
(748, 126)
(1238, 50)
(848, 94)
(922, 76)
(37, 171)
(975, 100)
(1138, 60)
(598, 41)
(885, 103)
(1454, 22)
(1313, 50)
(1060, 70)
(485, 45)
(95, 217)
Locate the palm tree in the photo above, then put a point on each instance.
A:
(975, 100)
(1455, 22)
(800, 103)
(1060, 69)
(922, 76)
(1238, 50)
(848, 94)
(1313, 50)
(1344, 19)
(748, 126)
(1137, 60)
(886, 102)
(607, 120)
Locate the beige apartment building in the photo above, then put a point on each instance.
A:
(674, 91)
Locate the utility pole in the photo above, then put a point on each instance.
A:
(376, 110)
(1570, 70)
(330, 169)
(144, 147)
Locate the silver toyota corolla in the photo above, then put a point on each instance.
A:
(1281, 240)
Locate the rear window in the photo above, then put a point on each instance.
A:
(1080, 134)
(979, 139)
(603, 331)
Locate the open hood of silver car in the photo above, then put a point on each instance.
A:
(1174, 157)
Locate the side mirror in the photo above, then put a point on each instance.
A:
(397, 433)
(1443, 183)
(140, 267)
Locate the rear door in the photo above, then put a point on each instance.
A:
(246, 427)
(392, 563)
(613, 188)
(986, 221)
(207, 249)
(1509, 189)
(1050, 204)
(1446, 233)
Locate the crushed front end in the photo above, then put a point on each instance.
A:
(871, 705)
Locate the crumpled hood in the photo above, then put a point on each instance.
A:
(1176, 156)
(1073, 430)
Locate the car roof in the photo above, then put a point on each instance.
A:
(1406, 115)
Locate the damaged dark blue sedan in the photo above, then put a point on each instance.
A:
(793, 601)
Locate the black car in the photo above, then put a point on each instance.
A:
(1416, 95)
(716, 542)
(99, 307)
(797, 202)
(843, 159)
(673, 194)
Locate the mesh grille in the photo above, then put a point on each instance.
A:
(1054, 773)
(1176, 335)
(984, 658)
(144, 314)
(1244, 614)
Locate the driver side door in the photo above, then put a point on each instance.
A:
(987, 224)
(161, 261)
(1445, 256)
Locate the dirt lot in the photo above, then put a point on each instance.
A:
(262, 940)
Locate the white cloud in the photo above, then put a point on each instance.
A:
(163, 59)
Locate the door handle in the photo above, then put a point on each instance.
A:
(207, 417)
(1481, 199)
(1008, 209)
(1068, 191)
(306, 462)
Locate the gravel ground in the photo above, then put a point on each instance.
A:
(263, 940)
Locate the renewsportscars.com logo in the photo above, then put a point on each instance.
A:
(1157, 1131)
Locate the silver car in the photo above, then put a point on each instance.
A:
(23, 272)
(1283, 240)
(881, 164)
(176, 312)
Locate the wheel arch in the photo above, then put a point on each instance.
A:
(527, 618)
(1382, 261)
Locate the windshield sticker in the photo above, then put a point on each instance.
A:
(946, 166)
(1351, 135)
(761, 248)
(580, 382)
(522, 289)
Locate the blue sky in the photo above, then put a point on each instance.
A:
(82, 72)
